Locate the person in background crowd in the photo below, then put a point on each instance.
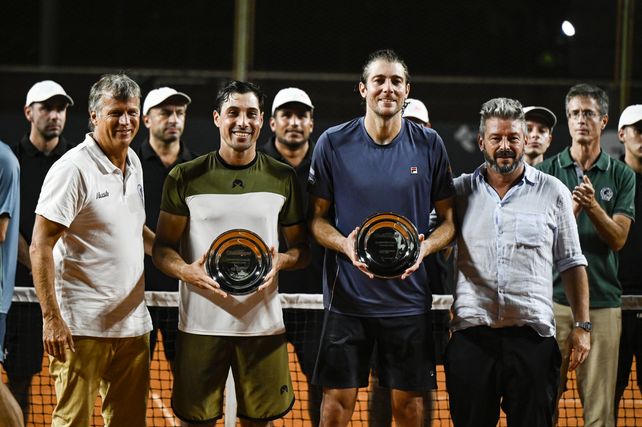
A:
(46, 111)
(603, 192)
(630, 271)
(539, 122)
(164, 115)
(416, 111)
(292, 123)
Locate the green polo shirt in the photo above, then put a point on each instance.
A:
(614, 185)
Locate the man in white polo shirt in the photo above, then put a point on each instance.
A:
(87, 259)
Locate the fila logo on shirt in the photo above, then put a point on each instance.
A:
(413, 170)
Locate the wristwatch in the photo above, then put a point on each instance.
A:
(587, 326)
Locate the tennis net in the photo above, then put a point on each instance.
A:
(304, 313)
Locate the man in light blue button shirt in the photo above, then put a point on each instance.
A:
(515, 225)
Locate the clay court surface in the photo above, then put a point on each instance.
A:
(160, 413)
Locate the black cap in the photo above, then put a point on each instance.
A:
(540, 114)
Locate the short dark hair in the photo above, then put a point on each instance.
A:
(590, 91)
(387, 55)
(118, 86)
(237, 86)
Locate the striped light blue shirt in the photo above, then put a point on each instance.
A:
(506, 250)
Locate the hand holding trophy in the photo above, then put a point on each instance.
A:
(238, 260)
(388, 243)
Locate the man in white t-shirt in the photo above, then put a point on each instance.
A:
(87, 259)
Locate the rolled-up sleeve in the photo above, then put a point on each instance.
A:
(567, 252)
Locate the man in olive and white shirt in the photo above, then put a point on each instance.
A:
(87, 259)
(516, 223)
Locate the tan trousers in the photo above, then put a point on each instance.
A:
(117, 368)
(597, 375)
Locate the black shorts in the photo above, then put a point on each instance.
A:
(404, 345)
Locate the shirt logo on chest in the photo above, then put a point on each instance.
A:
(606, 194)
(102, 195)
(413, 170)
(238, 183)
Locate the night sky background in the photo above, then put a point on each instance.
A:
(459, 54)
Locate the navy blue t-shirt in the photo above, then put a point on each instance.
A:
(363, 178)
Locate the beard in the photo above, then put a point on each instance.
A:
(166, 138)
(292, 145)
(387, 113)
(499, 154)
(47, 131)
(51, 134)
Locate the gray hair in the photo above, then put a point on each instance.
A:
(589, 91)
(501, 108)
(118, 86)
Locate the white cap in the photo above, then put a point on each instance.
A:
(631, 114)
(44, 90)
(160, 95)
(291, 94)
(415, 108)
(540, 114)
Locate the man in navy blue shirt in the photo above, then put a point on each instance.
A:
(372, 164)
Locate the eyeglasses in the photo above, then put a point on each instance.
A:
(587, 114)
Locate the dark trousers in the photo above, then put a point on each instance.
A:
(24, 351)
(303, 330)
(165, 321)
(513, 367)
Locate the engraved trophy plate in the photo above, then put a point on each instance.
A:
(388, 244)
(238, 260)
